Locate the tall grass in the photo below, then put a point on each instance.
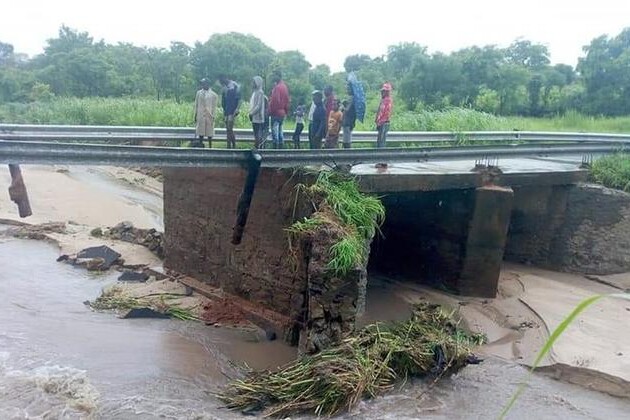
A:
(340, 205)
(613, 171)
(571, 121)
(150, 112)
(453, 120)
(106, 111)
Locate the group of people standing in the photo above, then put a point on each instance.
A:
(328, 118)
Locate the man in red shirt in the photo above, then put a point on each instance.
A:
(383, 115)
(278, 109)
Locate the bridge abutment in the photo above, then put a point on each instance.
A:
(434, 233)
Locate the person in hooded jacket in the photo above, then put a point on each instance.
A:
(257, 110)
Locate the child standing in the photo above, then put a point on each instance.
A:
(334, 127)
(299, 125)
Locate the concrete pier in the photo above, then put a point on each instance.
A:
(487, 235)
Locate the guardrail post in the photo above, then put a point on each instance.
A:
(245, 200)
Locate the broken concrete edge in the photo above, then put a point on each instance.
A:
(266, 319)
(333, 256)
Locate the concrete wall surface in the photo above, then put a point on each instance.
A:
(200, 212)
(580, 228)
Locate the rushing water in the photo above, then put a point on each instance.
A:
(59, 359)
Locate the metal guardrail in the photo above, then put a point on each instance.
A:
(175, 135)
(120, 155)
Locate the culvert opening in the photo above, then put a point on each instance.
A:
(424, 237)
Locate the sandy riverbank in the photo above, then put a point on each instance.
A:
(594, 352)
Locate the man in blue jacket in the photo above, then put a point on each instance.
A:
(317, 125)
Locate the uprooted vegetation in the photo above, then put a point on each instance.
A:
(369, 363)
(341, 207)
(162, 300)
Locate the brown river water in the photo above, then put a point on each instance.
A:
(61, 360)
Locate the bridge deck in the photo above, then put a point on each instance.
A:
(460, 174)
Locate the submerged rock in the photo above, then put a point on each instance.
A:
(96, 258)
(133, 276)
(104, 253)
(144, 313)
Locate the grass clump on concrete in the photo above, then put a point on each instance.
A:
(370, 363)
(115, 299)
(341, 206)
(613, 171)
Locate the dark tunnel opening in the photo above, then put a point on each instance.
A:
(424, 237)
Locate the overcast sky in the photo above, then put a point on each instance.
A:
(326, 31)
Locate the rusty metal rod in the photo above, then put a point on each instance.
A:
(17, 191)
(245, 200)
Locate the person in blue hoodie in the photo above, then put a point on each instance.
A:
(317, 125)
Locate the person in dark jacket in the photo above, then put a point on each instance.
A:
(349, 118)
(317, 125)
(230, 102)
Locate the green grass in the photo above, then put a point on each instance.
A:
(369, 363)
(573, 122)
(355, 216)
(106, 111)
(150, 112)
(613, 171)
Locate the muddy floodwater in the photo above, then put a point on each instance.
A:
(60, 360)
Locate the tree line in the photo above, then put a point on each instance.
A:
(517, 80)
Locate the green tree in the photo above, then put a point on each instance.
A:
(480, 68)
(320, 76)
(606, 76)
(356, 62)
(534, 87)
(402, 57)
(239, 56)
(527, 54)
(6, 53)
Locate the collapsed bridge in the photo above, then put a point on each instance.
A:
(454, 213)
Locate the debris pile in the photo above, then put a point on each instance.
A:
(153, 299)
(367, 364)
(37, 232)
(125, 231)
